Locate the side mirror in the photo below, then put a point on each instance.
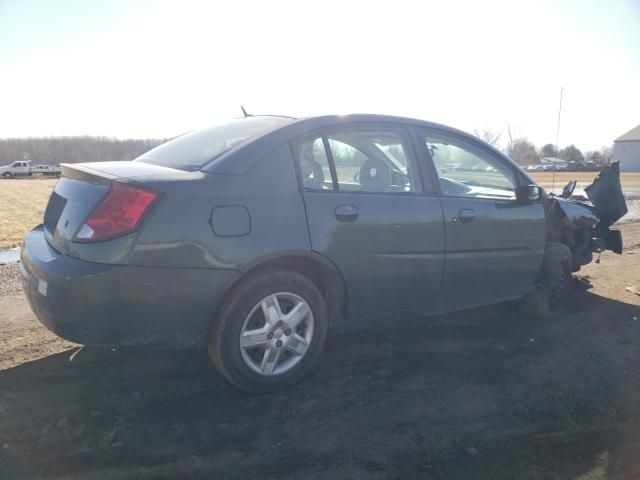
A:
(528, 194)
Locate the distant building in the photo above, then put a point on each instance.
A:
(558, 162)
(549, 164)
(626, 150)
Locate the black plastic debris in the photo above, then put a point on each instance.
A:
(606, 195)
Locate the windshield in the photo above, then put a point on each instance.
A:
(193, 150)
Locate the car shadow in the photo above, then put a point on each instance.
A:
(483, 393)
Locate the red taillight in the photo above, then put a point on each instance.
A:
(120, 212)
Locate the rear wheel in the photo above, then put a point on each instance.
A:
(270, 332)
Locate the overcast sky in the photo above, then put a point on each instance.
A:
(156, 69)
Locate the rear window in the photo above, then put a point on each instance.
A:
(193, 150)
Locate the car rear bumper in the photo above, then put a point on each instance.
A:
(108, 305)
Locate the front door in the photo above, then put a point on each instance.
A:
(494, 243)
(368, 214)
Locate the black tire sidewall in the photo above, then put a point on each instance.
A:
(223, 341)
(557, 291)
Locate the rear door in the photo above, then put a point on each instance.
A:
(494, 243)
(370, 215)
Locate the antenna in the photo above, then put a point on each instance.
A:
(553, 181)
(244, 112)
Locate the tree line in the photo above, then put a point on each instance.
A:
(54, 150)
(525, 153)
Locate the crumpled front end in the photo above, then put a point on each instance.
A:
(585, 228)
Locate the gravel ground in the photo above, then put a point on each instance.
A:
(10, 280)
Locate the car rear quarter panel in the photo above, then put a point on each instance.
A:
(180, 233)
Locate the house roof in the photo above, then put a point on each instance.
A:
(630, 136)
(553, 160)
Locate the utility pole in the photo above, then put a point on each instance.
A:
(553, 181)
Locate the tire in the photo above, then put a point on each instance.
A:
(7, 175)
(558, 273)
(247, 368)
(555, 275)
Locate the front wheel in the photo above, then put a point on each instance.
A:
(7, 175)
(555, 275)
(270, 332)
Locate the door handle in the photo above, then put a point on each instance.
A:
(346, 213)
(466, 215)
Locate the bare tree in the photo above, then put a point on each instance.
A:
(488, 135)
(523, 152)
(548, 150)
(607, 154)
(510, 133)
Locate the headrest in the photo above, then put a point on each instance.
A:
(312, 174)
(375, 175)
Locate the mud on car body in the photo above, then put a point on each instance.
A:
(258, 236)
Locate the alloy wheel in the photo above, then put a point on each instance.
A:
(276, 334)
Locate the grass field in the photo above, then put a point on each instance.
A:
(630, 180)
(22, 202)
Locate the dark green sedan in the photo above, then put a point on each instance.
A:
(258, 236)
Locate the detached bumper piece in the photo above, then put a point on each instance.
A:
(606, 195)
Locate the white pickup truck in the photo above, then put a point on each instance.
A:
(23, 168)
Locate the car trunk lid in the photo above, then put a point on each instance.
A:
(82, 187)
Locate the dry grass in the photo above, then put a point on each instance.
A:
(22, 205)
(630, 180)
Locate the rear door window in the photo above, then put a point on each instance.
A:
(313, 163)
(359, 159)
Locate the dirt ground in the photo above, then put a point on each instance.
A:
(485, 393)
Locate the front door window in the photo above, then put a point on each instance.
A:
(465, 170)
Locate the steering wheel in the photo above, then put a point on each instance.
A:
(453, 187)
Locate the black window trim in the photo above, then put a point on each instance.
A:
(332, 166)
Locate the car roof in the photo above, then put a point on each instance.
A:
(321, 121)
